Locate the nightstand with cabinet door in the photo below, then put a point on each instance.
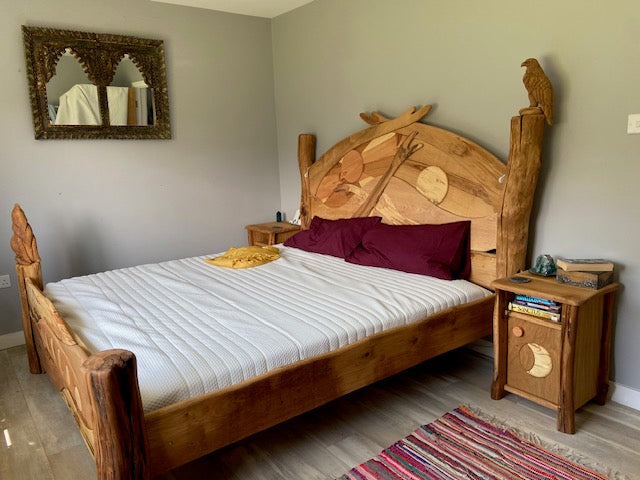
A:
(561, 365)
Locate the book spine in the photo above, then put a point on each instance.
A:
(539, 306)
(542, 301)
(514, 307)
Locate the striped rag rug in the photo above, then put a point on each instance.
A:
(459, 445)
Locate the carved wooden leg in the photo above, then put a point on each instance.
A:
(121, 445)
(499, 346)
(605, 349)
(566, 404)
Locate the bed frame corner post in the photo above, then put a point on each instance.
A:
(306, 157)
(23, 244)
(523, 168)
(120, 442)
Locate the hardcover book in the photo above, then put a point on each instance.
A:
(584, 264)
(539, 306)
(514, 307)
(538, 300)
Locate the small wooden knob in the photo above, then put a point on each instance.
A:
(517, 331)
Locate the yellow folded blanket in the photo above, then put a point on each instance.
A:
(245, 257)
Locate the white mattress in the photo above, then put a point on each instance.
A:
(195, 328)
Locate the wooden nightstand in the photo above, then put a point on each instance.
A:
(561, 365)
(270, 233)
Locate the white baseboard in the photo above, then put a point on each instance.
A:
(9, 340)
(624, 395)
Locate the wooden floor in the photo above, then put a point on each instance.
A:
(42, 442)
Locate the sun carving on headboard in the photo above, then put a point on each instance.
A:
(354, 173)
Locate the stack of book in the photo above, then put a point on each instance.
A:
(584, 272)
(539, 307)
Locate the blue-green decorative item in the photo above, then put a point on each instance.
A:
(544, 265)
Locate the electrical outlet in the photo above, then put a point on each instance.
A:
(5, 281)
(633, 124)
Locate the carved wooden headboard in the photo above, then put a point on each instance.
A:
(409, 172)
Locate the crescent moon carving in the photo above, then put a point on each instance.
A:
(542, 363)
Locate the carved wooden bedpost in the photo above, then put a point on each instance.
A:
(525, 152)
(306, 157)
(525, 158)
(120, 443)
(25, 248)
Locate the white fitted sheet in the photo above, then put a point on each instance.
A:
(195, 327)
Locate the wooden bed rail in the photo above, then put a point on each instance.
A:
(178, 435)
(101, 390)
(60, 355)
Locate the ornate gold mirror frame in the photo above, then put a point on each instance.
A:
(99, 55)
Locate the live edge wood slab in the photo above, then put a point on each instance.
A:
(406, 171)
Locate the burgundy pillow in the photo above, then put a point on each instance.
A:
(440, 251)
(332, 237)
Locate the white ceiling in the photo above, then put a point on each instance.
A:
(256, 8)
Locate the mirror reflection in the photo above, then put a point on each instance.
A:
(69, 73)
(73, 100)
(130, 99)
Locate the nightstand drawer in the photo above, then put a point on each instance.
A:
(533, 363)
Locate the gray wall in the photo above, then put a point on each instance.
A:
(336, 58)
(104, 204)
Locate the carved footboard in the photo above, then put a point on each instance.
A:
(101, 390)
(61, 357)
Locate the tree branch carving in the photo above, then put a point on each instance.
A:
(380, 126)
(405, 150)
(374, 118)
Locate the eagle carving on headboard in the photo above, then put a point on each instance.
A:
(539, 89)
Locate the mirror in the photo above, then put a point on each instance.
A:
(91, 85)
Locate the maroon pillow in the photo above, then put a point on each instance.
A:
(332, 237)
(440, 251)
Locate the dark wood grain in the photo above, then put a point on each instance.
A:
(120, 442)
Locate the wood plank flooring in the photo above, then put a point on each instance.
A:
(41, 440)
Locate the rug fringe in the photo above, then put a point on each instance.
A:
(563, 451)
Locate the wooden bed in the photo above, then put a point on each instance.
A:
(403, 170)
